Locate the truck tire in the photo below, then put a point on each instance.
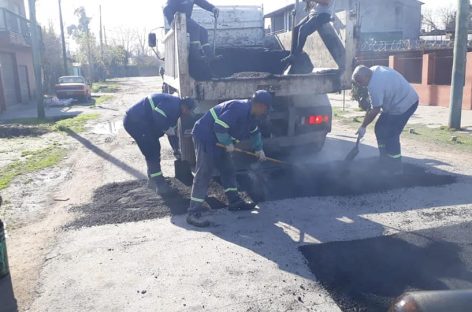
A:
(187, 149)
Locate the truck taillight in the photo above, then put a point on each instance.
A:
(313, 120)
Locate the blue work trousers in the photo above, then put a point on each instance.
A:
(388, 130)
(207, 160)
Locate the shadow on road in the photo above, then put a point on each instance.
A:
(7, 297)
(106, 156)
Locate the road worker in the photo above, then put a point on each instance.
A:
(396, 101)
(320, 12)
(149, 120)
(198, 34)
(225, 124)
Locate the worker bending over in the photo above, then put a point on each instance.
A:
(319, 13)
(197, 32)
(149, 120)
(225, 124)
(396, 100)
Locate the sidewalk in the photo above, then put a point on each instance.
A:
(30, 112)
(431, 116)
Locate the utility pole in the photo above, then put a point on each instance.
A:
(459, 66)
(63, 38)
(36, 45)
(101, 34)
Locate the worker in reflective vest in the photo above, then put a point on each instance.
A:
(149, 120)
(225, 124)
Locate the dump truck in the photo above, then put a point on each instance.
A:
(250, 60)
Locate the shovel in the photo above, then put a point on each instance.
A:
(215, 27)
(275, 161)
(354, 152)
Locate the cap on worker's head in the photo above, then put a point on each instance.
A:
(189, 102)
(263, 97)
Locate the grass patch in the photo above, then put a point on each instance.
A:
(103, 99)
(31, 161)
(76, 124)
(443, 136)
(105, 87)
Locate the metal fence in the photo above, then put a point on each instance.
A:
(407, 45)
(15, 24)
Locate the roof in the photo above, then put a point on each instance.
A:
(280, 11)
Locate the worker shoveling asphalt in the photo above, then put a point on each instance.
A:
(396, 101)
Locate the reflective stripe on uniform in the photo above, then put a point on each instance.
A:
(197, 200)
(231, 190)
(157, 174)
(395, 156)
(217, 120)
(382, 145)
(255, 130)
(155, 108)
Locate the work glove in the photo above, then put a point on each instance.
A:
(361, 132)
(216, 12)
(230, 148)
(261, 155)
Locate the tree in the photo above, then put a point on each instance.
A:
(441, 19)
(88, 50)
(52, 58)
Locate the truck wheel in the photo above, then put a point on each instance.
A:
(318, 146)
(187, 148)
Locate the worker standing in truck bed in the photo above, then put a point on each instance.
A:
(224, 124)
(197, 32)
(319, 13)
(149, 120)
(391, 96)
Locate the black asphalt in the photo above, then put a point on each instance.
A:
(366, 275)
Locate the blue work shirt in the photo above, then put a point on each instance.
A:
(232, 117)
(158, 111)
(184, 6)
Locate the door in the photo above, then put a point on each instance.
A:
(9, 79)
(2, 97)
(24, 84)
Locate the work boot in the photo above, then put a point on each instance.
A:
(241, 205)
(197, 219)
(160, 186)
(210, 54)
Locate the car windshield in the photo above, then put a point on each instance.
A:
(71, 80)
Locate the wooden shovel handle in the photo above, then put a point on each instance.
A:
(276, 161)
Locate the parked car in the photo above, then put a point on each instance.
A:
(75, 87)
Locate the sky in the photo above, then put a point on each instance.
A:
(143, 14)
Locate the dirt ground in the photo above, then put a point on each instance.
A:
(92, 237)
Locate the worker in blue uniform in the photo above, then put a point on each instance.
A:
(225, 124)
(197, 32)
(149, 120)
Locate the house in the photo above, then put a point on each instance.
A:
(381, 20)
(17, 82)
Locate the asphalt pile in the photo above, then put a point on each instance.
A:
(133, 201)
